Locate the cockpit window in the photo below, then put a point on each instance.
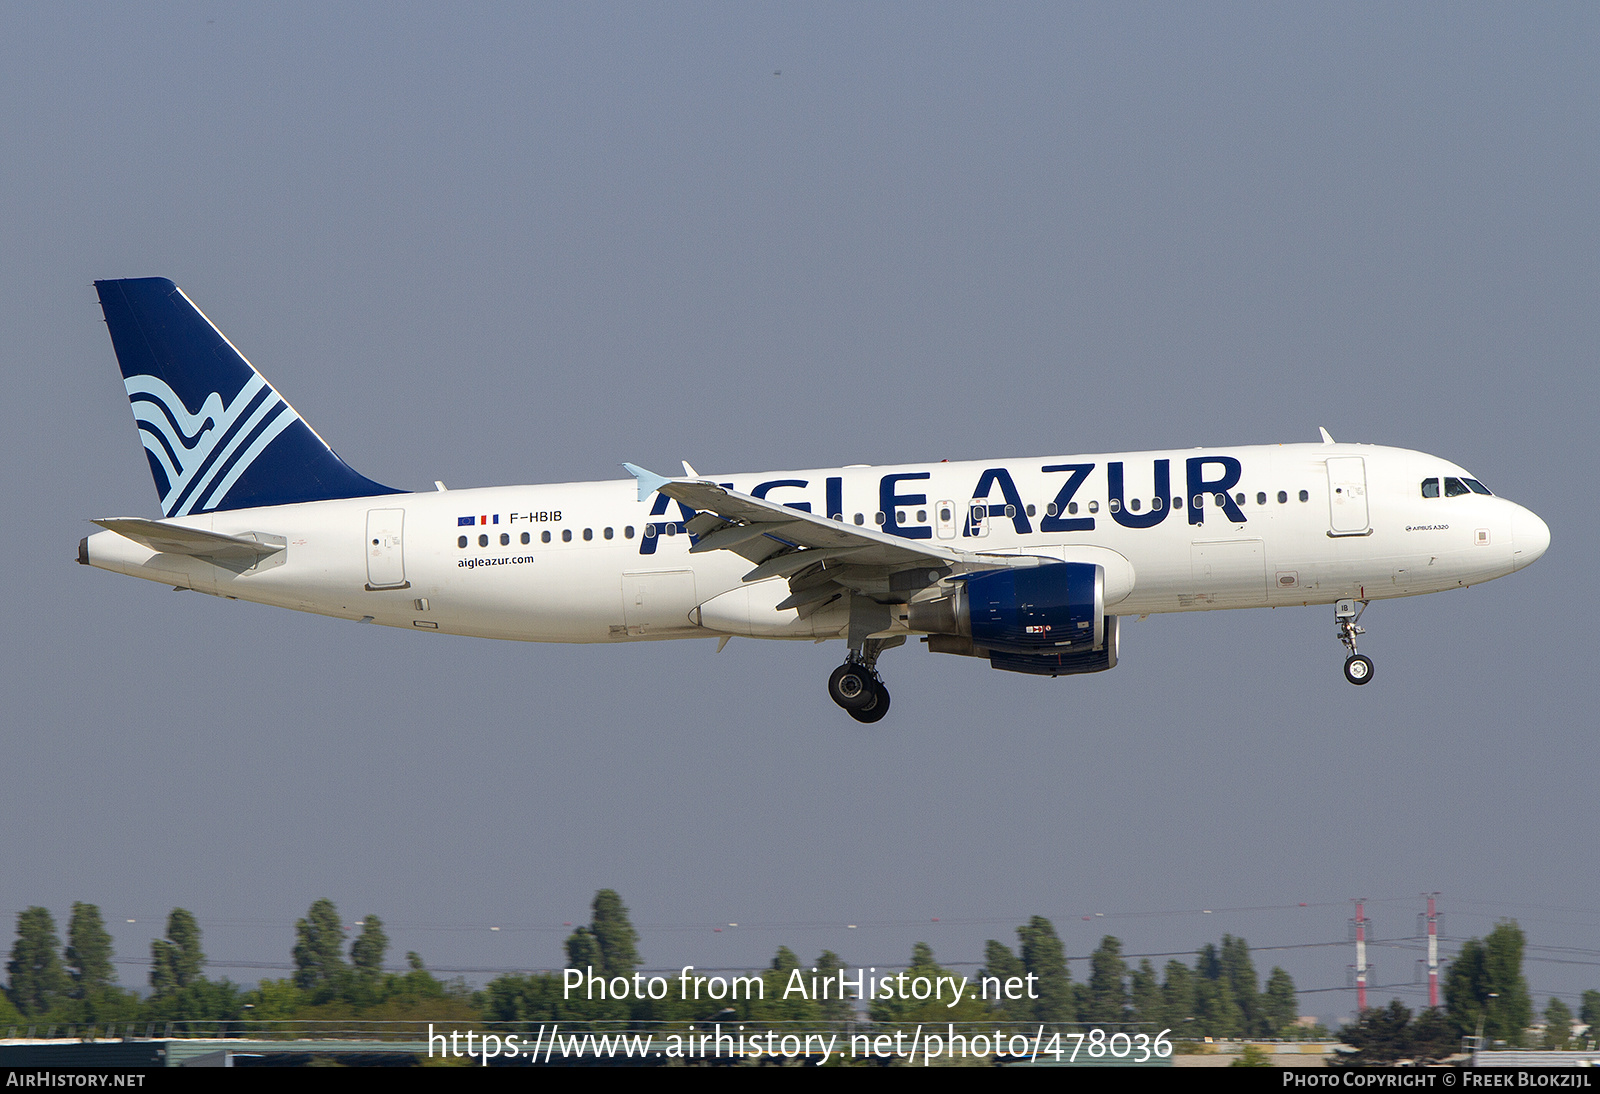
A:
(1454, 488)
(1478, 487)
(1430, 488)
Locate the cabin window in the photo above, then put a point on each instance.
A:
(608, 533)
(588, 534)
(483, 541)
(1221, 500)
(1133, 504)
(1155, 503)
(526, 537)
(544, 537)
(922, 516)
(1283, 496)
(1454, 488)
(1094, 507)
(1199, 502)
(899, 516)
(1239, 498)
(1072, 508)
(1011, 511)
(566, 534)
(505, 539)
(461, 541)
(1177, 503)
(627, 532)
(860, 519)
(1051, 510)
(1261, 498)
(1478, 487)
(1305, 495)
(672, 530)
(649, 531)
(1032, 511)
(1114, 505)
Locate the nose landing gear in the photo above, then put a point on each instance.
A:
(856, 686)
(1358, 666)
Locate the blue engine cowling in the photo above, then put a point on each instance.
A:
(1058, 607)
(1055, 609)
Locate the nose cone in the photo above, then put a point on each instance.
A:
(1530, 538)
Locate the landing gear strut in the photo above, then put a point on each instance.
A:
(856, 685)
(1358, 666)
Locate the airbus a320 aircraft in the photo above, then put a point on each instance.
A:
(1027, 563)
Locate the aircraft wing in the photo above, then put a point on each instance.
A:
(820, 557)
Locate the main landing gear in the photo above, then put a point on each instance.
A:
(856, 686)
(1358, 666)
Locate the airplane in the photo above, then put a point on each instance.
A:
(1026, 563)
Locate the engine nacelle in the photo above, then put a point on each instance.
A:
(1057, 608)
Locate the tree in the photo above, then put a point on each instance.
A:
(999, 963)
(1485, 986)
(176, 961)
(1145, 997)
(1240, 972)
(1379, 1035)
(1557, 1025)
(1044, 957)
(1108, 991)
(366, 953)
(318, 951)
(583, 950)
(1279, 1008)
(88, 952)
(835, 1008)
(37, 980)
(1177, 999)
(614, 933)
(1589, 1015)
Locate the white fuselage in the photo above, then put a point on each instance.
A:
(589, 562)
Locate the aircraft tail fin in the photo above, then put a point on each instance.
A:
(217, 435)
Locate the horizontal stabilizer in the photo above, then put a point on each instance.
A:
(175, 540)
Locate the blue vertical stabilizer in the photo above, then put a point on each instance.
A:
(217, 435)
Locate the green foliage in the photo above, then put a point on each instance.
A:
(834, 1008)
(1108, 992)
(1044, 957)
(176, 961)
(318, 952)
(1557, 1025)
(1253, 1056)
(1278, 1006)
(1589, 1015)
(1387, 1035)
(1178, 1003)
(1147, 1007)
(614, 933)
(1240, 972)
(1485, 986)
(1001, 965)
(905, 1008)
(366, 953)
(38, 982)
(88, 952)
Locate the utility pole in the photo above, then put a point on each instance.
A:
(1433, 952)
(1361, 956)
